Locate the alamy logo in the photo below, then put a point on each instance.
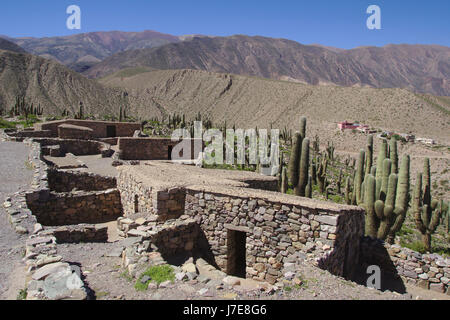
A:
(374, 21)
(74, 20)
(255, 146)
(374, 281)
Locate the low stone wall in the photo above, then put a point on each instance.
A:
(77, 147)
(110, 141)
(150, 149)
(428, 271)
(66, 181)
(75, 208)
(69, 131)
(31, 134)
(80, 233)
(100, 128)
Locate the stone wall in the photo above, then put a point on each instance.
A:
(69, 131)
(276, 225)
(31, 134)
(429, 271)
(79, 233)
(150, 148)
(135, 196)
(77, 207)
(77, 147)
(110, 141)
(66, 181)
(274, 231)
(123, 129)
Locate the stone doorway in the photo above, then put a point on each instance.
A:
(236, 253)
(169, 153)
(111, 131)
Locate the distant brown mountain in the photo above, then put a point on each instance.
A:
(10, 46)
(52, 85)
(420, 68)
(81, 51)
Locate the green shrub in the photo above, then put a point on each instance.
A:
(5, 124)
(22, 295)
(157, 274)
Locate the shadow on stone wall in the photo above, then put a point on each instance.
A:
(373, 252)
(201, 250)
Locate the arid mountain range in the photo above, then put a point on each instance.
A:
(419, 68)
(81, 51)
(52, 85)
(10, 46)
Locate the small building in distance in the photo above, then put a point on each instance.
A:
(347, 125)
(426, 141)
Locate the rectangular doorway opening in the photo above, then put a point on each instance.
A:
(236, 253)
(169, 155)
(110, 131)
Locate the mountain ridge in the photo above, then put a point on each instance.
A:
(419, 68)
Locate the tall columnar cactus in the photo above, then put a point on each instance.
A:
(322, 174)
(401, 200)
(382, 154)
(294, 162)
(427, 211)
(284, 180)
(330, 150)
(314, 170)
(393, 154)
(303, 127)
(386, 200)
(348, 192)
(369, 154)
(356, 197)
(308, 189)
(303, 169)
(120, 114)
(299, 162)
(339, 182)
(80, 114)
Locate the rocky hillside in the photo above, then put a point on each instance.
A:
(54, 86)
(81, 51)
(421, 68)
(250, 102)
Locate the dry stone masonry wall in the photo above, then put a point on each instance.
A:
(66, 181)
(77, 207)
(428, 271)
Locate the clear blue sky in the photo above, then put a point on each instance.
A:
(338, 23)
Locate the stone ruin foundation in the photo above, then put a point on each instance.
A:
(232, 221)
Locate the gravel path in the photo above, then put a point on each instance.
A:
(14, 175)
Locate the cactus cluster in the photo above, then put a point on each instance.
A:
(299, 162)
(23, 108)
(427, 211)
(383, 190)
